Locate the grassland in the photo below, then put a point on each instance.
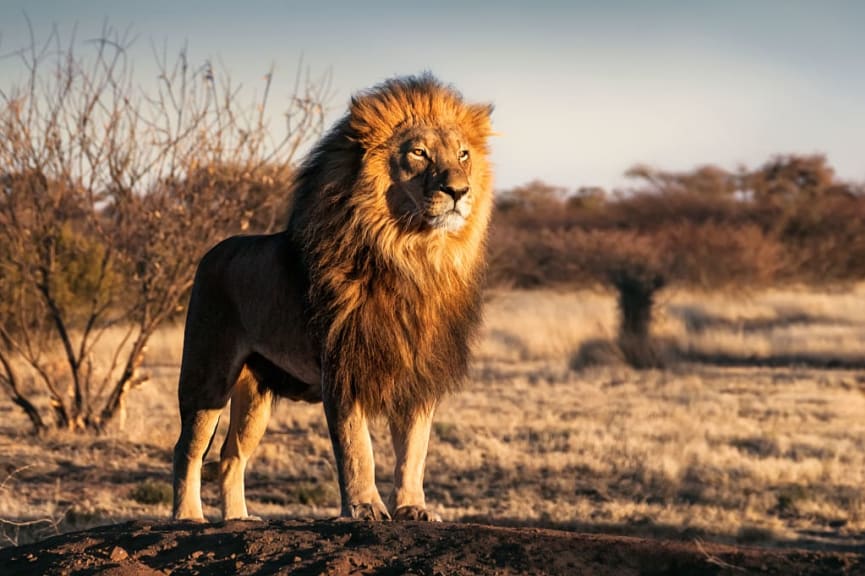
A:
(753, 433)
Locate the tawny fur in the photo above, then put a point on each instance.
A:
(367, 301)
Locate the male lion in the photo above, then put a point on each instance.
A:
(366, 302)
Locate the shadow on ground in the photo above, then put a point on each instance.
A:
(345, 547)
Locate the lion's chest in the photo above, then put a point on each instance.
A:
(394, 350)
(394, 323)
(402, 316)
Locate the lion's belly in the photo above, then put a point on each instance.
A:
(288, 377)
(288, 346)
(292, 352)
(304, 369)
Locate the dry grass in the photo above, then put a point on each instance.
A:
(796, 326)
(729, 448)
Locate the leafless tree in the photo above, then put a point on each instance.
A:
(109, 194)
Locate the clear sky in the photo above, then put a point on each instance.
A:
(582, 90)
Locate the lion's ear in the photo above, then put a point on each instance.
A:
(360, 111)
(478, 118)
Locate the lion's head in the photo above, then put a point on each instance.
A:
(407, 169)
(430, 173)
(425, 150)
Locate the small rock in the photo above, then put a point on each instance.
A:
(118, 554)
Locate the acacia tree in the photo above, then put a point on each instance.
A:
(109, 194)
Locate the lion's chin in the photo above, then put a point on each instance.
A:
(450, 221)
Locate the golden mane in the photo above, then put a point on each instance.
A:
(395, 304)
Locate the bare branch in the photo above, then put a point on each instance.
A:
(111, 193)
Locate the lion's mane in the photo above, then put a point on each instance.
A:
(395, 306)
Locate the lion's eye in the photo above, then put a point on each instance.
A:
(418, 152)
(464, 155)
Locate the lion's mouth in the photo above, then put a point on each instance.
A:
(449, 221)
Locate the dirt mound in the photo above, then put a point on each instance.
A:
(344, 547)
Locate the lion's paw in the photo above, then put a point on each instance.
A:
(369, 511)
(416, 513)
(245, 519)
(190, 521)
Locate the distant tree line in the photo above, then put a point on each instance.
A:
(788, 221)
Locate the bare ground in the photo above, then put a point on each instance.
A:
(345, 547)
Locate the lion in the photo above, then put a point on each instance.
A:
(366, 302)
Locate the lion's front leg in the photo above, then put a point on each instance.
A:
(352, 449)
(410, 443)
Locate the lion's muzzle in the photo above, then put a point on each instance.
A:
(450, 204)
(455, 184)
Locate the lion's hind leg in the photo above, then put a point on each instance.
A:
(203, 392)
(250, 411)
(196, 434)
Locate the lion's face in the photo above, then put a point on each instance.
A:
(431, 175)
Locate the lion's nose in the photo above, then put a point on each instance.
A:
(455, 192)
(454, 185)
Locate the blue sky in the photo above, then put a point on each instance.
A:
(582, 90)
